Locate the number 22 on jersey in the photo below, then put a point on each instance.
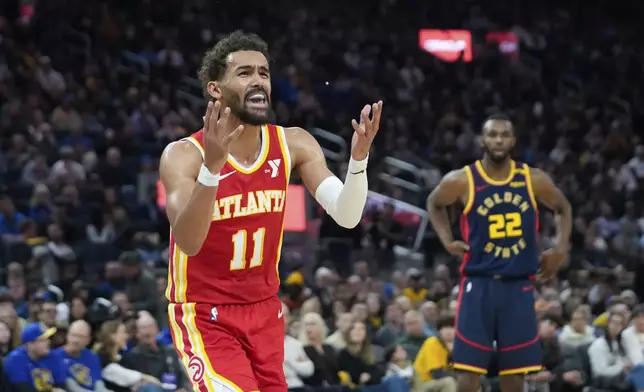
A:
(505, 225)
(240, 249)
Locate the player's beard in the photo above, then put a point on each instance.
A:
(496, 157)
(249, 115)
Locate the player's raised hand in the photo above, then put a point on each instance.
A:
(365, 130)
(457, 248)
(217, 138)
(550, 261)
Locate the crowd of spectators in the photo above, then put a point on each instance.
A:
(83, 241)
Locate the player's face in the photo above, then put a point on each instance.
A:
(246, 88)
(498, 140)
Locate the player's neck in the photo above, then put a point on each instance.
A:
(247, 145)
(496, 170)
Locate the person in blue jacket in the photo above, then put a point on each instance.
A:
(32, 367)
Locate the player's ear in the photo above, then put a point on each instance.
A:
(213, 89)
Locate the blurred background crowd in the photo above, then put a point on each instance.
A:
(91, 91)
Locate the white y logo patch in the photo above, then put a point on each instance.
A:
(275, 167)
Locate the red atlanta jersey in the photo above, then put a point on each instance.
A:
(238, 261)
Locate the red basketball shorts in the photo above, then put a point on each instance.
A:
(231, 348)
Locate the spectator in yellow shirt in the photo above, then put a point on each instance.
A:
(433, 363)
(415, 290)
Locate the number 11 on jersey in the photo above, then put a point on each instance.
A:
(240, 247)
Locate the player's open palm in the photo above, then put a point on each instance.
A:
(365, 130)
(217, 138)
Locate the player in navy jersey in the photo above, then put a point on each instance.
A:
(501, 257)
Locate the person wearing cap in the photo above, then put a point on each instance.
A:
(32, 367)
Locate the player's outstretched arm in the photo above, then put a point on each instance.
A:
(448, 191)
(187, 200)
(344, 202)
(547, 193)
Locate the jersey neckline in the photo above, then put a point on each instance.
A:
(490, 180)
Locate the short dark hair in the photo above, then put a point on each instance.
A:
(553, 319)
(497, 117)
(213, 65)
(5, 297)
(445, 321)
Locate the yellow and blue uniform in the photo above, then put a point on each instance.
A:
(496, 297)
(85, 369)
(40, 375)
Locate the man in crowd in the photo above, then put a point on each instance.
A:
(81, 366)
(149, 357)
(32, 366)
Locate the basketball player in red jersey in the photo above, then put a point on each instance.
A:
(226, 191)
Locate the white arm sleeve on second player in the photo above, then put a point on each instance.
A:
(345, 202)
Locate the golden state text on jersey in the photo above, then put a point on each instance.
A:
(500, 223)
(237, 263)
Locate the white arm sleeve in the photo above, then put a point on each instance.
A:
(345, 202)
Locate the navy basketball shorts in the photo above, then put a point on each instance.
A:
(496, 317)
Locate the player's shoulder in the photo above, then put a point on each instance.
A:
(301, 143)
(180, 150)
(537, 175)
(456, 177)
(297, 135)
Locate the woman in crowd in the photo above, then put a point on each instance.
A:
(112, 340)
(338, 339)
(577, 332)
(322, 355)
(9, 317)
(374, 308)
(5, 340)
(611, 362)
(358, 367)
(78, 309)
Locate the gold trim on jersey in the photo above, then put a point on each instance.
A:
(177, 275)
(470, 190)
(491, 181)
(286, 155)
(528, 183)
(261, 158)
(196, 143)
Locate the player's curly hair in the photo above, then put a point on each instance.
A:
(213, 65)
